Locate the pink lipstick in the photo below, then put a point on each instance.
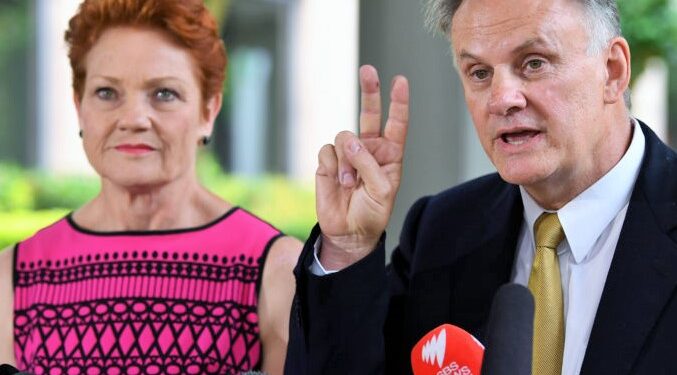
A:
(134, 149)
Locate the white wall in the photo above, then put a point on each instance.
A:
(650, 97)
(324, 86)
(58, 146)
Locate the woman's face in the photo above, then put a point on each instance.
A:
(141, 111)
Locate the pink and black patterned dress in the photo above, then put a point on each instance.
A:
(157, 302)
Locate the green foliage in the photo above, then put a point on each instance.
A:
(287, 204)
(23, 190)
(30, 200)
(651, 29)
(17, 225)
(219, 9)
(63, 191)
(16, 190)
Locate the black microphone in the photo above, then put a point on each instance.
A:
(11, 370)
(509, 340)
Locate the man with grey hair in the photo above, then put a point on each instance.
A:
(583, 209)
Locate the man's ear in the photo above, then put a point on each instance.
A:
(617, 70)
(211, 110)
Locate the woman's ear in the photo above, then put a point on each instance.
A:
(211, 110)
(76, 101)
(618, 70)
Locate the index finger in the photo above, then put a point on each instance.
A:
(398, 114)
(370, 108)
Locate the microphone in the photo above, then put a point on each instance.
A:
(510, 332)
(11, 370)
(6, 369)
(447, 349)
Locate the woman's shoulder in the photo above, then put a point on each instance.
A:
(6, 310)
(247, 221)
(283, 255)
(47, 244)
(51, 233)
(6, 262)
(6, 270)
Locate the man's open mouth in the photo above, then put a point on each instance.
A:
(518, 138)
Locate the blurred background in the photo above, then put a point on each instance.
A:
(292, 85)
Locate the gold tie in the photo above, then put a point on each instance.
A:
(546, 286)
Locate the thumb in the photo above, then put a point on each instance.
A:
(376, 181)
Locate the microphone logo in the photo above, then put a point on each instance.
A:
(434, 349)
(447, 350)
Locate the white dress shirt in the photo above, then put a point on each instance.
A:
(592, 223)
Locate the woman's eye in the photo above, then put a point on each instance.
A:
(106, 93)
(165, 95)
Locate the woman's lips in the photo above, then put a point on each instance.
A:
(134, 149)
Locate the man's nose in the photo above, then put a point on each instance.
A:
(134, 114)
(507, 96)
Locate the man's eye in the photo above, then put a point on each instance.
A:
(535, 64)
(165, 95)
(106, 93)
(480, 74)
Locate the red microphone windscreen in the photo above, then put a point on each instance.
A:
(447, 350)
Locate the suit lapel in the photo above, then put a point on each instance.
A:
(643, 273)
(488, 263)
(459, 289)
(640, 282)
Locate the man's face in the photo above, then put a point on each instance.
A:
(534, 92)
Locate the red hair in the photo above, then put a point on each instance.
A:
(187, 22)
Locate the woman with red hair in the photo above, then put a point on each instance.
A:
(156, 274)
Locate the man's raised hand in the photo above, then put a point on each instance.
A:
(358, 177)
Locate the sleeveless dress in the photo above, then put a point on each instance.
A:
(154, 302)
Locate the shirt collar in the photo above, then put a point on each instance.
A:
(586, 216)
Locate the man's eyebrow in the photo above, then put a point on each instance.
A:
(533, 42)
(467, 55)
(530, 43)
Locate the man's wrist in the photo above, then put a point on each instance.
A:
(317, 268)
(338, 254)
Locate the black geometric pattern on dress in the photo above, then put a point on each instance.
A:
(120, 336)
(142, 263)
(206, 324)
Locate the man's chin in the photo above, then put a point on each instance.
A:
(521, 177)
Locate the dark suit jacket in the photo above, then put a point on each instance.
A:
(456, 249)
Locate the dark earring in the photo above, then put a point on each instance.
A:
(80, 133)
(206, 140)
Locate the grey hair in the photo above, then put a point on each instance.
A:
(602, 22)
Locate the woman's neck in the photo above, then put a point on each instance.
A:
(180, 204)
